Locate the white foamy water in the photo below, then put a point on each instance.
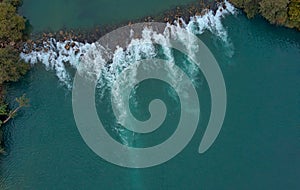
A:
(55, 56)
(211, 22)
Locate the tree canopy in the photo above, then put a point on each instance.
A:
(15, 3)
(11, 67)
(12, 25)
(294, 11)
(274, 11)
(281, 12)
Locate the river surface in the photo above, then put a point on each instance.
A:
(56, 14)
(257, 148)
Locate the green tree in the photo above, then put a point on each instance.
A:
(12, 28)
(3, 112)
(281, 12)
(294, 11)
(15, 3)
(274, 11)
(251, 7)
(12, 25)
(11, 67)
(3, 109)
(22, 101)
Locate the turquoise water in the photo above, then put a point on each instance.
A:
(56, 14)
(258, 147)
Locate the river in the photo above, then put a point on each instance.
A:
(257, 148)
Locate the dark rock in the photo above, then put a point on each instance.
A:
(77, 51)
(73, 44)
(67, 46)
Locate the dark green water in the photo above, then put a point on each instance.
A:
(258, 147)
(55, 14)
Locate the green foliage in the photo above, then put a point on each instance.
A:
(11, 67)
(281, 12)
(11, 24)
(3, 112)
(251, 7)
(3, 109)
(23, 101)
(294, 11)
(15, 3)
(274, 11)
(12, 28)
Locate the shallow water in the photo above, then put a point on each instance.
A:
(258, 147)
